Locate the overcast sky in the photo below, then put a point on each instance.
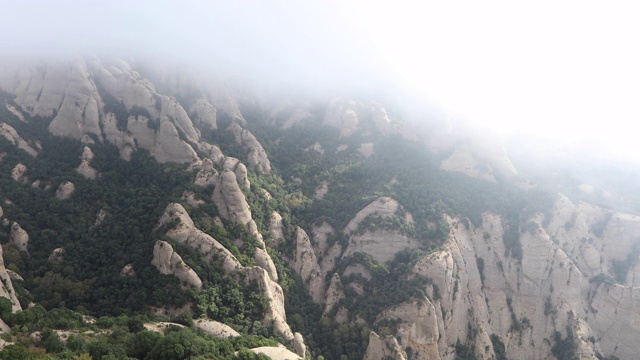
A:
(564, 69)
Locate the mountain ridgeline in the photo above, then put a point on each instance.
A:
(155, 214)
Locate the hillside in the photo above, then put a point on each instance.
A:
(152, 213)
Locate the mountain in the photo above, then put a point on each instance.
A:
(137, 196)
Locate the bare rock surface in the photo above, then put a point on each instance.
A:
(167, 261)
(263, 260)
(203, 114)
(276, 353)
(383, 348)
(215, 328)
(18, 171)
(19, 237)
(257, 156)
(306, 264)
(65, 190)
(564, 281)
(185, 232)
(7, 291)
(85, 168)
(9, 133)
(385, 207)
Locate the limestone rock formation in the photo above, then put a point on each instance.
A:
(65, 190)
(19, 237)
(275, 227)
(306, 264)
(275, 312)
(263, 260)
(276, 353)
(9, 133)
(230, 200)
(6, 288)
(185, 232)
(85, 168)
(167, 261)
(385, 207)
(335, 293)
(102, 214)
(321, 190)
(298, 345)
(257, 156)
(215, 328)
(565, 280)
(17, 173)
(57, 255)
(207, 175)
(128, 270)
(241, 176)
(383, 348)
(484, 161)
(340, 114)
(203, 114)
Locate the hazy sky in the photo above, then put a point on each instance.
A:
(565, 69)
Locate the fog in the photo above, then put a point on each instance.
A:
(561, 71)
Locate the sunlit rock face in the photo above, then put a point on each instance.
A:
(567, 279)
(167, 261)
(19, 237)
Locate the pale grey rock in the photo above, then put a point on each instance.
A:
(57, 255)
(385, 207)
(17, 173)
(275, 313)
(16, 112)
(480, 160)
(306, 264)
(1, 212)
(366, 150)
(19, 237)
(298, 345)
(276, 353)
(383, 348)
(211, 151)
(257, 156)
(335, 293)
(65, 190)
(128, 271)
(321, 190)
(167, 261)
(102, 214)
(230, 200)
(263, 260)
(6, 290)
(9, 133)
(560, 282)
(340, 114)
(85, 168)
(186, 233)
(382, 244)
(207, 174)
(328, 251)
(241, 176)
(275, 227)
(203, 114)
(215, 328)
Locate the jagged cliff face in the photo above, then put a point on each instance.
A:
(576, 278)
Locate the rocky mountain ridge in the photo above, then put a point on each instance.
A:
(463, 288)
